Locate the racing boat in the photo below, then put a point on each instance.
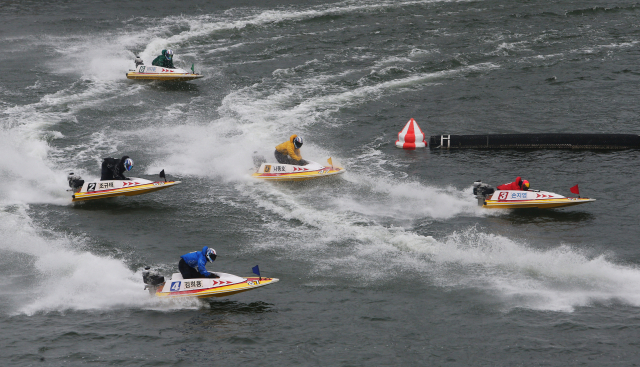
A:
(159, 73)
(93, 190)
(290, 172)
(177, 287)
(490, 198)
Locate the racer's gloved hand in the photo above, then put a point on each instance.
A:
(213, 276)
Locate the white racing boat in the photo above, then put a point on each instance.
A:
(143, 72)
(290, 172)
(92, 190)
(490, 198)
(177, 287)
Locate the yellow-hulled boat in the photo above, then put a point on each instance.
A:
(143, 72)
(290, 172)
(226, 285)
(490, 198)
(530, 199)
(107, 189)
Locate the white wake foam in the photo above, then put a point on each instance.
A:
(559, 278)
(66, 275)
(27, 176)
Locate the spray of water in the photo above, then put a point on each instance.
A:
(59, 273)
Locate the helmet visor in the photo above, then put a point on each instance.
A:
(128, 164)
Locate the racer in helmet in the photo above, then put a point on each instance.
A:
(192, 265)
(297, 142)
(114, 168)
(289, 152)
(518, 184)
(165, 60)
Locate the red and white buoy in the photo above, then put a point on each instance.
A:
(411, 137)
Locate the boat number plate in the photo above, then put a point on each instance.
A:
(253, 282)
(267, 168)
(503, 196)
(158, 183)
(91, 186)
(175, 286)
(142, 69)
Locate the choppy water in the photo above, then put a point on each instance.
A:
(391, 264)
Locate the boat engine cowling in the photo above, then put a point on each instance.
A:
(75, 182)
(482, 191)
(152, 280)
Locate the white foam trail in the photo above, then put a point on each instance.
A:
(557, 279)
(33, 171)
(308, 102)
(207, 24)
(406, 200)
(217, 150)
(27, 176)
(67, 276)
(223, 150)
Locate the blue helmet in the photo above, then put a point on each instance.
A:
(211, 255)
(168, 54)
(297, 142)
(128, 164)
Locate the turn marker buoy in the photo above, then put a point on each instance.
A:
(411, 137)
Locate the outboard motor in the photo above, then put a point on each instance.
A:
(138, 61)
(152, 280)
(75, 182)
(258, 160)
(482, 191)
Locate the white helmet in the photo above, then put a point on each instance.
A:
(169, 54)
(128, 164)
(211, 255)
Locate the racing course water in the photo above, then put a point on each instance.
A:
(391, 263)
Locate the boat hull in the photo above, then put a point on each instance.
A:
(224, 286)
(112, 188)
(288, 172)
(143, 72)
(508, 199)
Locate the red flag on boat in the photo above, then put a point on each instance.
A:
(575, 190)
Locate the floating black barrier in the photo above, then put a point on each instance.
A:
(536, 141)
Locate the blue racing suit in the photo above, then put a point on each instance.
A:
(197, 260)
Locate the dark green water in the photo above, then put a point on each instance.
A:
(390, 264)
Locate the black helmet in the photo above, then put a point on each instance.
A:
(297, 142)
